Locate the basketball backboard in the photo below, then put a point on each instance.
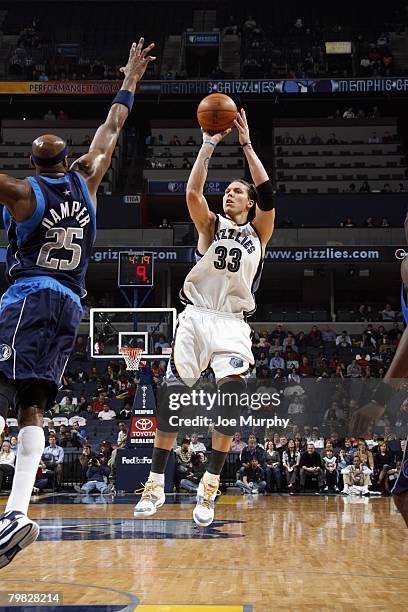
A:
(149, 328)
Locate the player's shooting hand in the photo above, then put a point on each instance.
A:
(364, 418)
(138, 61)
(241, 124)
(215, 138)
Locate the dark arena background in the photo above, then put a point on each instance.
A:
(325, 90)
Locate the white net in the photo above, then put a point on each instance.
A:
(132, 357)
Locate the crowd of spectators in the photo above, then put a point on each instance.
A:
(292, 50)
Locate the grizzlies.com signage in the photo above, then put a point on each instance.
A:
(307, 255)
(202, 39)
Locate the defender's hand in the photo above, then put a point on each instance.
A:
(138, 61)
(241, 124)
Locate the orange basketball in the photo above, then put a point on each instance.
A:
(216, 113)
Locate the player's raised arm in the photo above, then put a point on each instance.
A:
(94, 164)
(200, 214)
(265, 213)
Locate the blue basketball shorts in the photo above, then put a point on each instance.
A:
(37, 335)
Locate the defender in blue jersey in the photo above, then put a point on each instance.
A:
(51, 223)
(393, 379)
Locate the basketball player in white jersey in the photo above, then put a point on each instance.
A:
(218, 293)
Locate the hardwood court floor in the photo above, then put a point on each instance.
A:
(271, 553)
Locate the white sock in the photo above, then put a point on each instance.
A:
(213, 478)
(157, 477)
(2, 424)
(31, 443)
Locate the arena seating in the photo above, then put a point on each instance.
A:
(327, 156)
(17, 137)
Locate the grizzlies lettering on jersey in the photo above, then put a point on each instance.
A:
(227, 275)
(56, 241)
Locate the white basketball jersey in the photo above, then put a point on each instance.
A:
(227, 275)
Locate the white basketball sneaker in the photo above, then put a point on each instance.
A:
(153, 497)
(16, 532)
(203, 513)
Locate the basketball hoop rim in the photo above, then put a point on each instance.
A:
(132, 356)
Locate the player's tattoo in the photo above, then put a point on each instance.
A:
(206, 163)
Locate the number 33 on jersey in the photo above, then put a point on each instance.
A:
(57, 239)
(226, 277)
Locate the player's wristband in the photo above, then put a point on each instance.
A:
(209, 142)
(382, 393)
(246, 144)
(124, 97)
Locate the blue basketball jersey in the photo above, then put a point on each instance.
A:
(56, 241)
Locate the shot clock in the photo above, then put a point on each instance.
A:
(135, 269)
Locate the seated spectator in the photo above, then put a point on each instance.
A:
(49, 116)
(87, 453)
(383, 463)
(316, 140)
(98, 404)
(384, 222)
(237, 444)
(43, 478)
(386, 188)
(186, 165)
(310, 465)
(251, 451)
(287, 139)
(7, 461)
(190, 141)
(354, 369)
(301, 139)
(356, 477)
(193, 476)
(296, 407)
(349, 114)
(262, 361)
(352, 188)
(53, 458)
(388, 314)
(333, 415)
(175, 141)
(252, 480)
(106, 450)
(332, 140)
(293, 377)
(183, 460)
(364, 453)
(365, 187)
(369, 222)
(374, 138)
(348, 222)
(122, 433)
(62, 116)
(126, 412)
(305, 369)
(290, 462)
(96, 476)
(330, 466)
(273, 467)
(343, 340)
(292, 360)
(195, 445)
(276, 362)
(343, 460)
(107, 414)
(328, 335)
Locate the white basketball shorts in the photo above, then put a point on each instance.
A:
(209, 338)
